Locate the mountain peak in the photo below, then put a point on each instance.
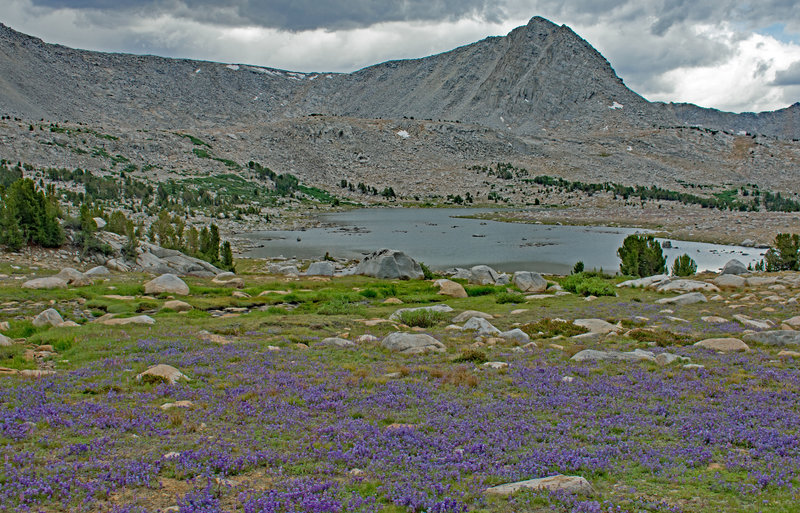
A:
(538, 21)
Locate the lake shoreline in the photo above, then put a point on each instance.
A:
(447, 238)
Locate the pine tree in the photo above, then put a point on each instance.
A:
(10, 232)
(227, 256)
(213, 246)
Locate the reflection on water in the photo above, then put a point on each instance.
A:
(442, 240)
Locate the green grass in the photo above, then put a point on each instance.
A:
(482, 290)
(509, 297)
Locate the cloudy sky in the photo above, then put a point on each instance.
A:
(736, 55)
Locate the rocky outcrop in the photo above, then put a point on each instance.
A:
(734, 267)
(157, 260)
(321, 269)
(390, 264)
(154, 259)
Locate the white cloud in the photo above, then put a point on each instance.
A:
(742, 82)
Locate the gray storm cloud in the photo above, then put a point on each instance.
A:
(789, 76)
(297, 15)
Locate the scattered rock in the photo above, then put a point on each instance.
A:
(684, 299)
(483, 275)
(51, 282)
(777, 338)
(232, 283)
(729, 281)
(759, 281)
(139, 319)
(5, 341)
(469, 314)
(665, 359)
(636, 355)
(177, 305)
(341, 343)
(793, 322)
(162, 372)
(166, 284)
(207, 336)
(481, 326)
(650, 281)
(177, 404)
(598, 326)
(724, 345)
(74, 277)
(517, 335)
(713, 319)
(412, 343)
(450, 288)
(529, 282)
(48, 317)
(36, 373)
(100, 270)
(495, 365)
(364, 339)
(751, 323)
(789, 354)
(687, 286)
(569, 484)
(392, 301)
(390, 264)
(694, 366)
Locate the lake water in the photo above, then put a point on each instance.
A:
(441, 239)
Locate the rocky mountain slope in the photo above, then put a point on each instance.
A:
(540, 76)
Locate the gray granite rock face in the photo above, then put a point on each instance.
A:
(390, 264)
(412, 343)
